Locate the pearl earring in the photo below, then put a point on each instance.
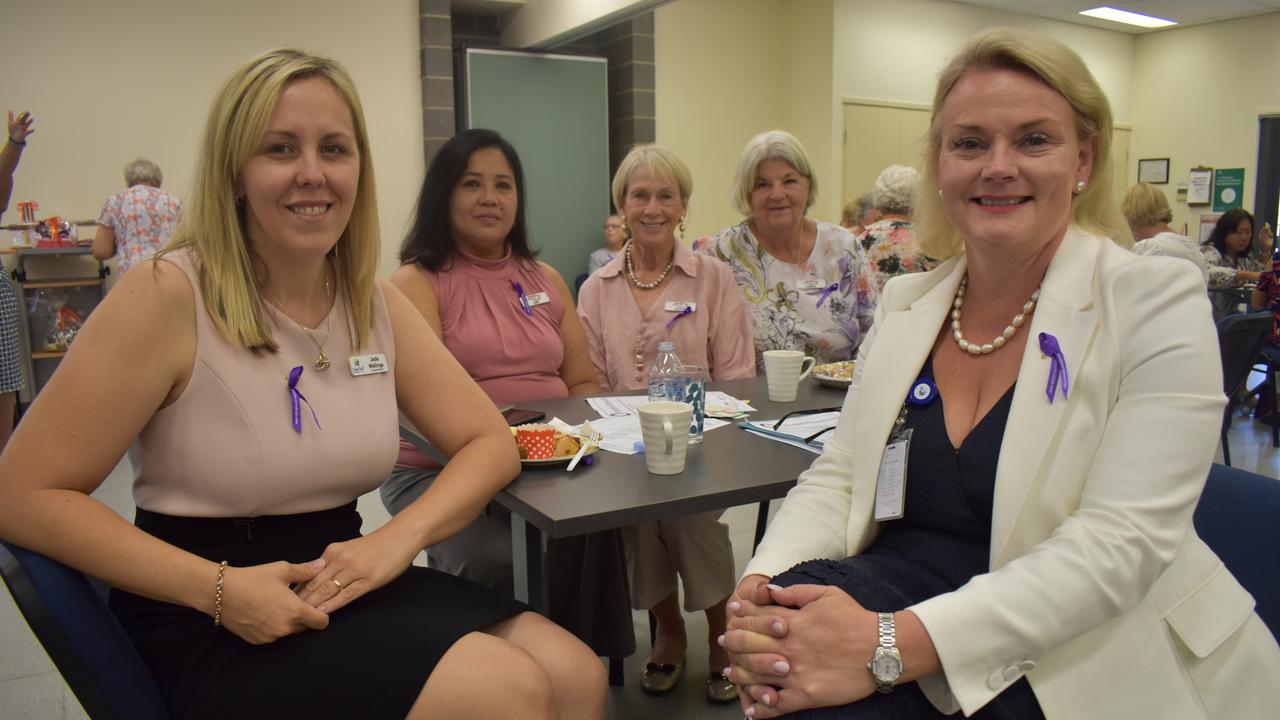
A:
(1079, 186)
(939, 192)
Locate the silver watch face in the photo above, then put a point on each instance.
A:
(886, 665)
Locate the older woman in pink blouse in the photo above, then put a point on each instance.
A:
(627, 307)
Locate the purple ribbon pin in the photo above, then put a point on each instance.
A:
(298, 399)
(1057, 367)
(825, 292)
(679, 315)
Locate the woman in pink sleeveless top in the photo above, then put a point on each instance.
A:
(265, 365)
(510, 322)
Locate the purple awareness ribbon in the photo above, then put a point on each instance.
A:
(678, 315)
(298, 399)
(1057, 367)
(825, 292)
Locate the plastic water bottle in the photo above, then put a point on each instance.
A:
(665, 382)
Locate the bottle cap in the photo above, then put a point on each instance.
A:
(666, 346)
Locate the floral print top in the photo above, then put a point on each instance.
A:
(142, 219)
(1222, 270)
(822, 307)
(890, 246)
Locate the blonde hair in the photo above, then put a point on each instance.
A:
(661, 163)
(771, 145)
(213, 224)
(1057, 66)
(1144, 205)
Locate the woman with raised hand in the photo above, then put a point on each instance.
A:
(1003, 519)
(267, 363)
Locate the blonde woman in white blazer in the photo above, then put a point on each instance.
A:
(1097, 598)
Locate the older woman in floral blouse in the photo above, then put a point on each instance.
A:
(806, 283)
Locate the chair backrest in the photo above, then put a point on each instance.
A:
(1239, 518)
(1240, 339)
(577, 282)
(69, 615)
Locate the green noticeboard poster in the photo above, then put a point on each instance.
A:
(1228, 188)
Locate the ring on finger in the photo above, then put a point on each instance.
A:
(335, 582)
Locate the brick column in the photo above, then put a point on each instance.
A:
(436, 38)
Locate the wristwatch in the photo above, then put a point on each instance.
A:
(886, 662)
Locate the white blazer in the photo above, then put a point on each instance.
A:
(1099, 590)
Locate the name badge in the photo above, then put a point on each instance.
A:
(811, 284)
(368, 364)
(680, 306)
(891, 482)
(538, 298)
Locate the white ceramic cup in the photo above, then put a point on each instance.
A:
(664, 426)
(784, 370)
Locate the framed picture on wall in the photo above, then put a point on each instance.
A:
(1154, 171)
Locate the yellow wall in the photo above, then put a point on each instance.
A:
(1197, 95)
(109, 82)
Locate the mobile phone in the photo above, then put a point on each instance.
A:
(518, 416)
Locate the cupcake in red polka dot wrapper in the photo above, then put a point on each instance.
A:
(537, 441)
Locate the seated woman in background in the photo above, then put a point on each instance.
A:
(1230, 258)
(858, 213)
(627, 308)
(245, 584)
(1147, 212)
(1038, 559)
(510, 322)
(890, 242)
(806, 282)
(135, 223)
(615, 234)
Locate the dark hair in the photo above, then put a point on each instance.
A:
(430, 243)
(1227, 225)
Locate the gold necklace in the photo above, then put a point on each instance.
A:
(322, 359)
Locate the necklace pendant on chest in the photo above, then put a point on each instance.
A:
(322, 361)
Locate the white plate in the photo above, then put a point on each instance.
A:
(559, 460)
(831, 381)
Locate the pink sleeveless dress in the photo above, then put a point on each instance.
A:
(226, 476)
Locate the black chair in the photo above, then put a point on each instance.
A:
(1240, 339)
(68, 613)
(1272, 368)
(1236, 517)
(577, 283)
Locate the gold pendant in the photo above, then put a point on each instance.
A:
(322, 362)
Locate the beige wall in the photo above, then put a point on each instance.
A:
(1197, 95)
(111, 81)
(730, 69)
(544, 23)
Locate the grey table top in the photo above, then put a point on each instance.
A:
(730, 467)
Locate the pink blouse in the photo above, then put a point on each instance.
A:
(512, 355)
(716, 334)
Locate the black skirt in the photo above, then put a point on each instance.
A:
(371, 661)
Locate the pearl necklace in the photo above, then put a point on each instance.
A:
(1010, 330)
(631, 271)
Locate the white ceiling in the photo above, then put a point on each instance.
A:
(1184, 12)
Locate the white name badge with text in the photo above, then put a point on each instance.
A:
(811, 283)
(538, 298)
(374, 364)
(680, 307)
(891, 483)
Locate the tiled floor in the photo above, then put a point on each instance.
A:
(30, 689)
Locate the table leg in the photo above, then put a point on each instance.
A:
(762, 519)
(528, 562)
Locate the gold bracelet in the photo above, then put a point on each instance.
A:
(217, 598)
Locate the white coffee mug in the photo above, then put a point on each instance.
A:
(664, 426)
(784, 370)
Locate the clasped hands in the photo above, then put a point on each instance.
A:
(799, 647)
(263, 603)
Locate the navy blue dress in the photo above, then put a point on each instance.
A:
(940, 543)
